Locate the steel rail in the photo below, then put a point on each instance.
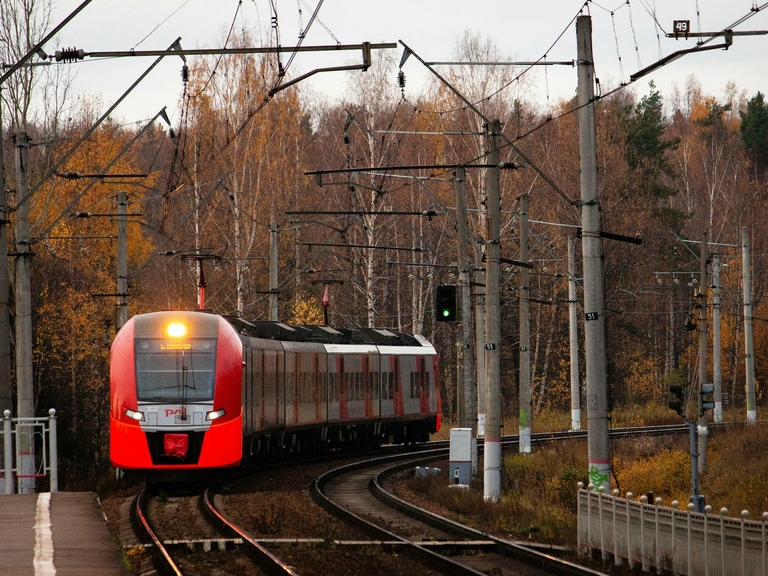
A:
(162, 559)
(267, 561)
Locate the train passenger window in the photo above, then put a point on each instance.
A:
(175, 373)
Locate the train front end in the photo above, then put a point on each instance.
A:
(175, 387)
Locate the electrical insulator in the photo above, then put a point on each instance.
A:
(185, 73)
(69, 55)
(171, 133)
(401, 79)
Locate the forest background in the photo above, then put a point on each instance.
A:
(671, 167)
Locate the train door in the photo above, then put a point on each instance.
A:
(291, 387)
(271, 395)
(397, 392)
(257, 370)
(367, 385)
(322, 386)
(334, 401)
(246, 392)
(375, 385)
(434, 401)
(343, 387)
(316, 388)
(422, 377)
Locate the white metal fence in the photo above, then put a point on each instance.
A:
(669, 539)
(38, 433)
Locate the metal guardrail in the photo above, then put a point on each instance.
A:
(678, 540)
(35, 432)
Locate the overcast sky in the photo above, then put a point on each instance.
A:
(625, 39)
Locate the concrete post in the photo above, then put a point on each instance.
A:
(594, 311)
(524, 379)
(749, 352)
(8, 450)
(25, 446)
(703, 357)
(480, 339)
(573, 333)
(468, 393)
(6, 398)
(717, 378)
(492, 457)
(53, 450)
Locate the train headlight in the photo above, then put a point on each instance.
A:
(134, 414)
(215, 414)
(176, 330)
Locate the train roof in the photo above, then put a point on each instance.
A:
(323, 334)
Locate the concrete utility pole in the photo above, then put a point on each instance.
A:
(467, 395)
(749, 352)
(573, 333)
(480, 338)
(594, 312)
(703, 332)
(24, 374)
(122, 259)
(717, 377)
(273, 286)
(492, 457)
(6, 396)
(524, 295)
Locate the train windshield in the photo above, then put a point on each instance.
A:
(175, 372)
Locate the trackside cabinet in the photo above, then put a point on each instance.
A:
(460, 467)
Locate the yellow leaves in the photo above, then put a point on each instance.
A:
(306, 311)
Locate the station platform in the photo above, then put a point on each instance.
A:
(59, 534)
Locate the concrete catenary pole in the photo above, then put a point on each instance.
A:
(717, 377)
(594, 312)
(492, 444)
(480, 338)
(525, 334)
(122, 259)
(6, 389)
(749, 352)
(468, 393)
(23, 296)
(273, 288)
(573, 333)
(703, 357)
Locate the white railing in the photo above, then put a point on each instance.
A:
(39, 432)
(669, 539)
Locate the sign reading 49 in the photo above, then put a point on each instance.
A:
(681, 27)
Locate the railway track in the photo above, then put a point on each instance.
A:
(361, 498)
(446, 547)
(356, 492)
(228, 536)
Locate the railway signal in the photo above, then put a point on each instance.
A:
(445, 303)
(677, 398)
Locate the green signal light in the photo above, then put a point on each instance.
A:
(446, 313)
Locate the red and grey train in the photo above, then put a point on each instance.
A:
(196, 391)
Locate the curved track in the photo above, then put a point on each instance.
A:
(358, 494)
